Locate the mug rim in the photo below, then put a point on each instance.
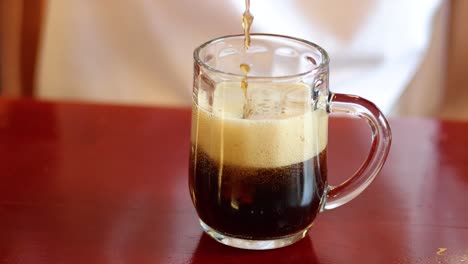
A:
(325, 60)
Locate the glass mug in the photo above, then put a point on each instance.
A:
(258, 161)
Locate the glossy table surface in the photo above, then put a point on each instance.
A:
(83, 183)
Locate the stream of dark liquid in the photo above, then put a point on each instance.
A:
(247, 20)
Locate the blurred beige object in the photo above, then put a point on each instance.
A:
(425, 94)
(124, 51)
(120, 53)
(455, 104)
(451, 101)
(140, 52)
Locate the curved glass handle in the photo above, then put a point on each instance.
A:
(381, 141)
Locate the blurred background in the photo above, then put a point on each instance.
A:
(409, 57)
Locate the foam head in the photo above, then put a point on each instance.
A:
(283, 128)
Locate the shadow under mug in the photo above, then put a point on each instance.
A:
(258, 163)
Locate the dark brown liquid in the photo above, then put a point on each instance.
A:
(257, 203)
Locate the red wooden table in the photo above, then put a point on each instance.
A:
(84, 183)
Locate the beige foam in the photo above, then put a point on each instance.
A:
(296, 134)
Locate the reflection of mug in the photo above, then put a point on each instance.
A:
(258, 170)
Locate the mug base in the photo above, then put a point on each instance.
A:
(254, 244)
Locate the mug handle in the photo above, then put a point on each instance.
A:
(381, 141)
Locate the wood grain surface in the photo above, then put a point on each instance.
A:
(83, 183)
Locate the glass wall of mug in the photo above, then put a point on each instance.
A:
(258, 170)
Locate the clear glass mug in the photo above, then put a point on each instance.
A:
(258, 162)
